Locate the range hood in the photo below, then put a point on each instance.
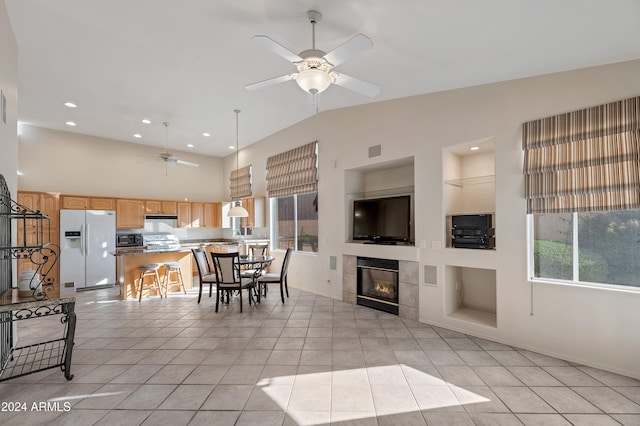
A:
(160, 217)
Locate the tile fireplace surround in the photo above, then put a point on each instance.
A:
(408, 285)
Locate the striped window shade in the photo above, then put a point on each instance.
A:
(584, 160)
(240, 182)
(293, 172)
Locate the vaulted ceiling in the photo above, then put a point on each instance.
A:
(187, 62)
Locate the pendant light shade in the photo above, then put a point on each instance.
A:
(237, 210)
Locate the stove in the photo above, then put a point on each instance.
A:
(160, 241)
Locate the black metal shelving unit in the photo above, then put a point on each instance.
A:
(19, 361)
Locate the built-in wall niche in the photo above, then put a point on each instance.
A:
(470, 295)
(468, 181)
(381, 180)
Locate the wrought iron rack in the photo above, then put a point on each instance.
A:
(34, 228)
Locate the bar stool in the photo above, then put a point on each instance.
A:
(149, 270)
(173, 268)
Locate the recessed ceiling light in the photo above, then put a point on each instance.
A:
(232, 147)
(474, 148)
(70, 104)
(137, 135)
(146, 121)
(206, 135)
(70, 123)
(189, 145)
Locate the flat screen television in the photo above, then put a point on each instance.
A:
(382, 220)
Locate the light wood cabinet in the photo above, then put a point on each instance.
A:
(184, 215)
(73, 202)
(169, 207)
(30, 200)
(48, 204)
(152, 207)
(216, 218)
(129, 214)
(197, 215)
(81, 203)
(208, 215)
(255, 208)
(102, 203)
(160, 207)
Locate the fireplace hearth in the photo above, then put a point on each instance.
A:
(378, 284)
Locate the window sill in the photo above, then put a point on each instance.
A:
(591, 286)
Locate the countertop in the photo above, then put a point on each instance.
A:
(186, 245)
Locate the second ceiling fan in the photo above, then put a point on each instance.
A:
(315, 67)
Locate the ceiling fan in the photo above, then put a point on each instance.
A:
(168, 158)
(315, 67)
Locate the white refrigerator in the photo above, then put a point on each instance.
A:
(87, 244)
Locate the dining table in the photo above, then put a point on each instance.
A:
(257, 264)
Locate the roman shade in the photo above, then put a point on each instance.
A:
(240, 182)
(293, 172)
(585, 160)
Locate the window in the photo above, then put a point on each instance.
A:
(582, 184)
(588, 247)
(294, 222)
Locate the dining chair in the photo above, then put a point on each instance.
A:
(227, 277)
(204, 270)
(255, 250)
(273, 278)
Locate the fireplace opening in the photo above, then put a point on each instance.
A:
(378, 284)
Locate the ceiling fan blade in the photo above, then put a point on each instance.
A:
(269, 82)
(357, 85)
(187, 163)
(354, 46)
(276, 48)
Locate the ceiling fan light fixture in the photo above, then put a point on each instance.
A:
(314, 81)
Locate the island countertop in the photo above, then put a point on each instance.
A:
(128, 272)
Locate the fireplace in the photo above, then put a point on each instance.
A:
(378, 284)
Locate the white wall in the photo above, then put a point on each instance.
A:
(588, 325)
(69, 163)
(9, 87)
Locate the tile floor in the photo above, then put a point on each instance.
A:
(311, 361)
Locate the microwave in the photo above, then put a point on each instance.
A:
(133, 239)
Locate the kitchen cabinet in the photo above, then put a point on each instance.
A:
(73, 202)
(216, 215)
(184, 215)
(129, 214)
(169, 207)
(152, 207)
(81, 203)
(47, 204)
(204, 215)
(160, 207)
(255, 207)
(197, 218)
(102, 203)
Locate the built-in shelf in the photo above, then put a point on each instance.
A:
(389, 192)
(475, 180)
(470, 295)
(475, 316)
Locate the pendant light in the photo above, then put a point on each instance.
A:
(237, 210)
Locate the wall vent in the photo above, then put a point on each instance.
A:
(375, 151)
(430, 275)
(333, 263)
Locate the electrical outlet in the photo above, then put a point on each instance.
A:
(436, 244)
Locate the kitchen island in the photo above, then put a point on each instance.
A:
(128, 273)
